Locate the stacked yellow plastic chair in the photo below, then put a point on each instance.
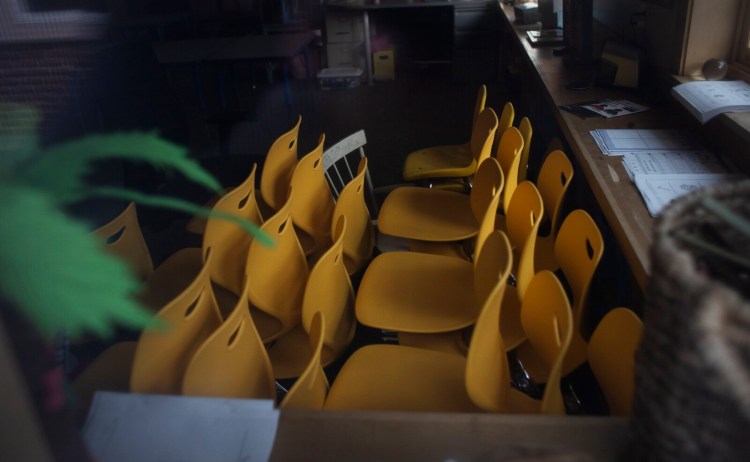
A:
(431, 215)
(443, 292)
(425, 293)
(277, 170)
(546, 315)
(524, 215)
(328, 291)
(311, 388)
(553, 182)
(391, 377)
(156, 362)
(122, 236)
(359, 239)
(509, 156)
(611, 355)
(524, 126)
(277, 276)
(229, 243)
(579, 247)
(442, 165)
(232, 362)
(447, 161)
(312, 204)
(395, 377)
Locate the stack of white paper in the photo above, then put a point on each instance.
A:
(616, 142)
(660, 190)
(664, 164)
(669, 162)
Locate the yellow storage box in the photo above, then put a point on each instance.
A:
(383, 66)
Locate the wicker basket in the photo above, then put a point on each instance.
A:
(692, 400)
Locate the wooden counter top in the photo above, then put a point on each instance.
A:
(425, 436)
(616, 195)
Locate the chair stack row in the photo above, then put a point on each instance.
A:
(476, 283)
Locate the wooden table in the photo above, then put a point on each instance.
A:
(615, 194)
(419, 436)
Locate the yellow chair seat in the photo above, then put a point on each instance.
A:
(391, 377)
(427, 215)
(420, 293)
(268, 327)
(290, 354)
(454, 342)
(447, 161)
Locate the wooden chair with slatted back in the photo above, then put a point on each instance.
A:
(341, 162)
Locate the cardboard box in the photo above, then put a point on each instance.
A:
(348, 54)
(383, 65)
(339, 77)
(344, 27)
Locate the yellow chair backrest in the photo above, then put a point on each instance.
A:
(123, 237)
(359, 239)
(311, 388)
(509, 155)
(162, 355)
(553, 181)
(578, 248)
(611, 355)
(487, 372)
(479, 103)
(232, 362)
(482, 135)
(507, 115)
(329, 291)
(312, 205)
(524, 126)
(278, 167)
(487, 182)
(548, 323)
(488, 267)
(494, 186)
(523, 218)
(277, 275)
(228, 242)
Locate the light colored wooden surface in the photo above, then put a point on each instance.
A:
(416, 436)
(616, 195)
